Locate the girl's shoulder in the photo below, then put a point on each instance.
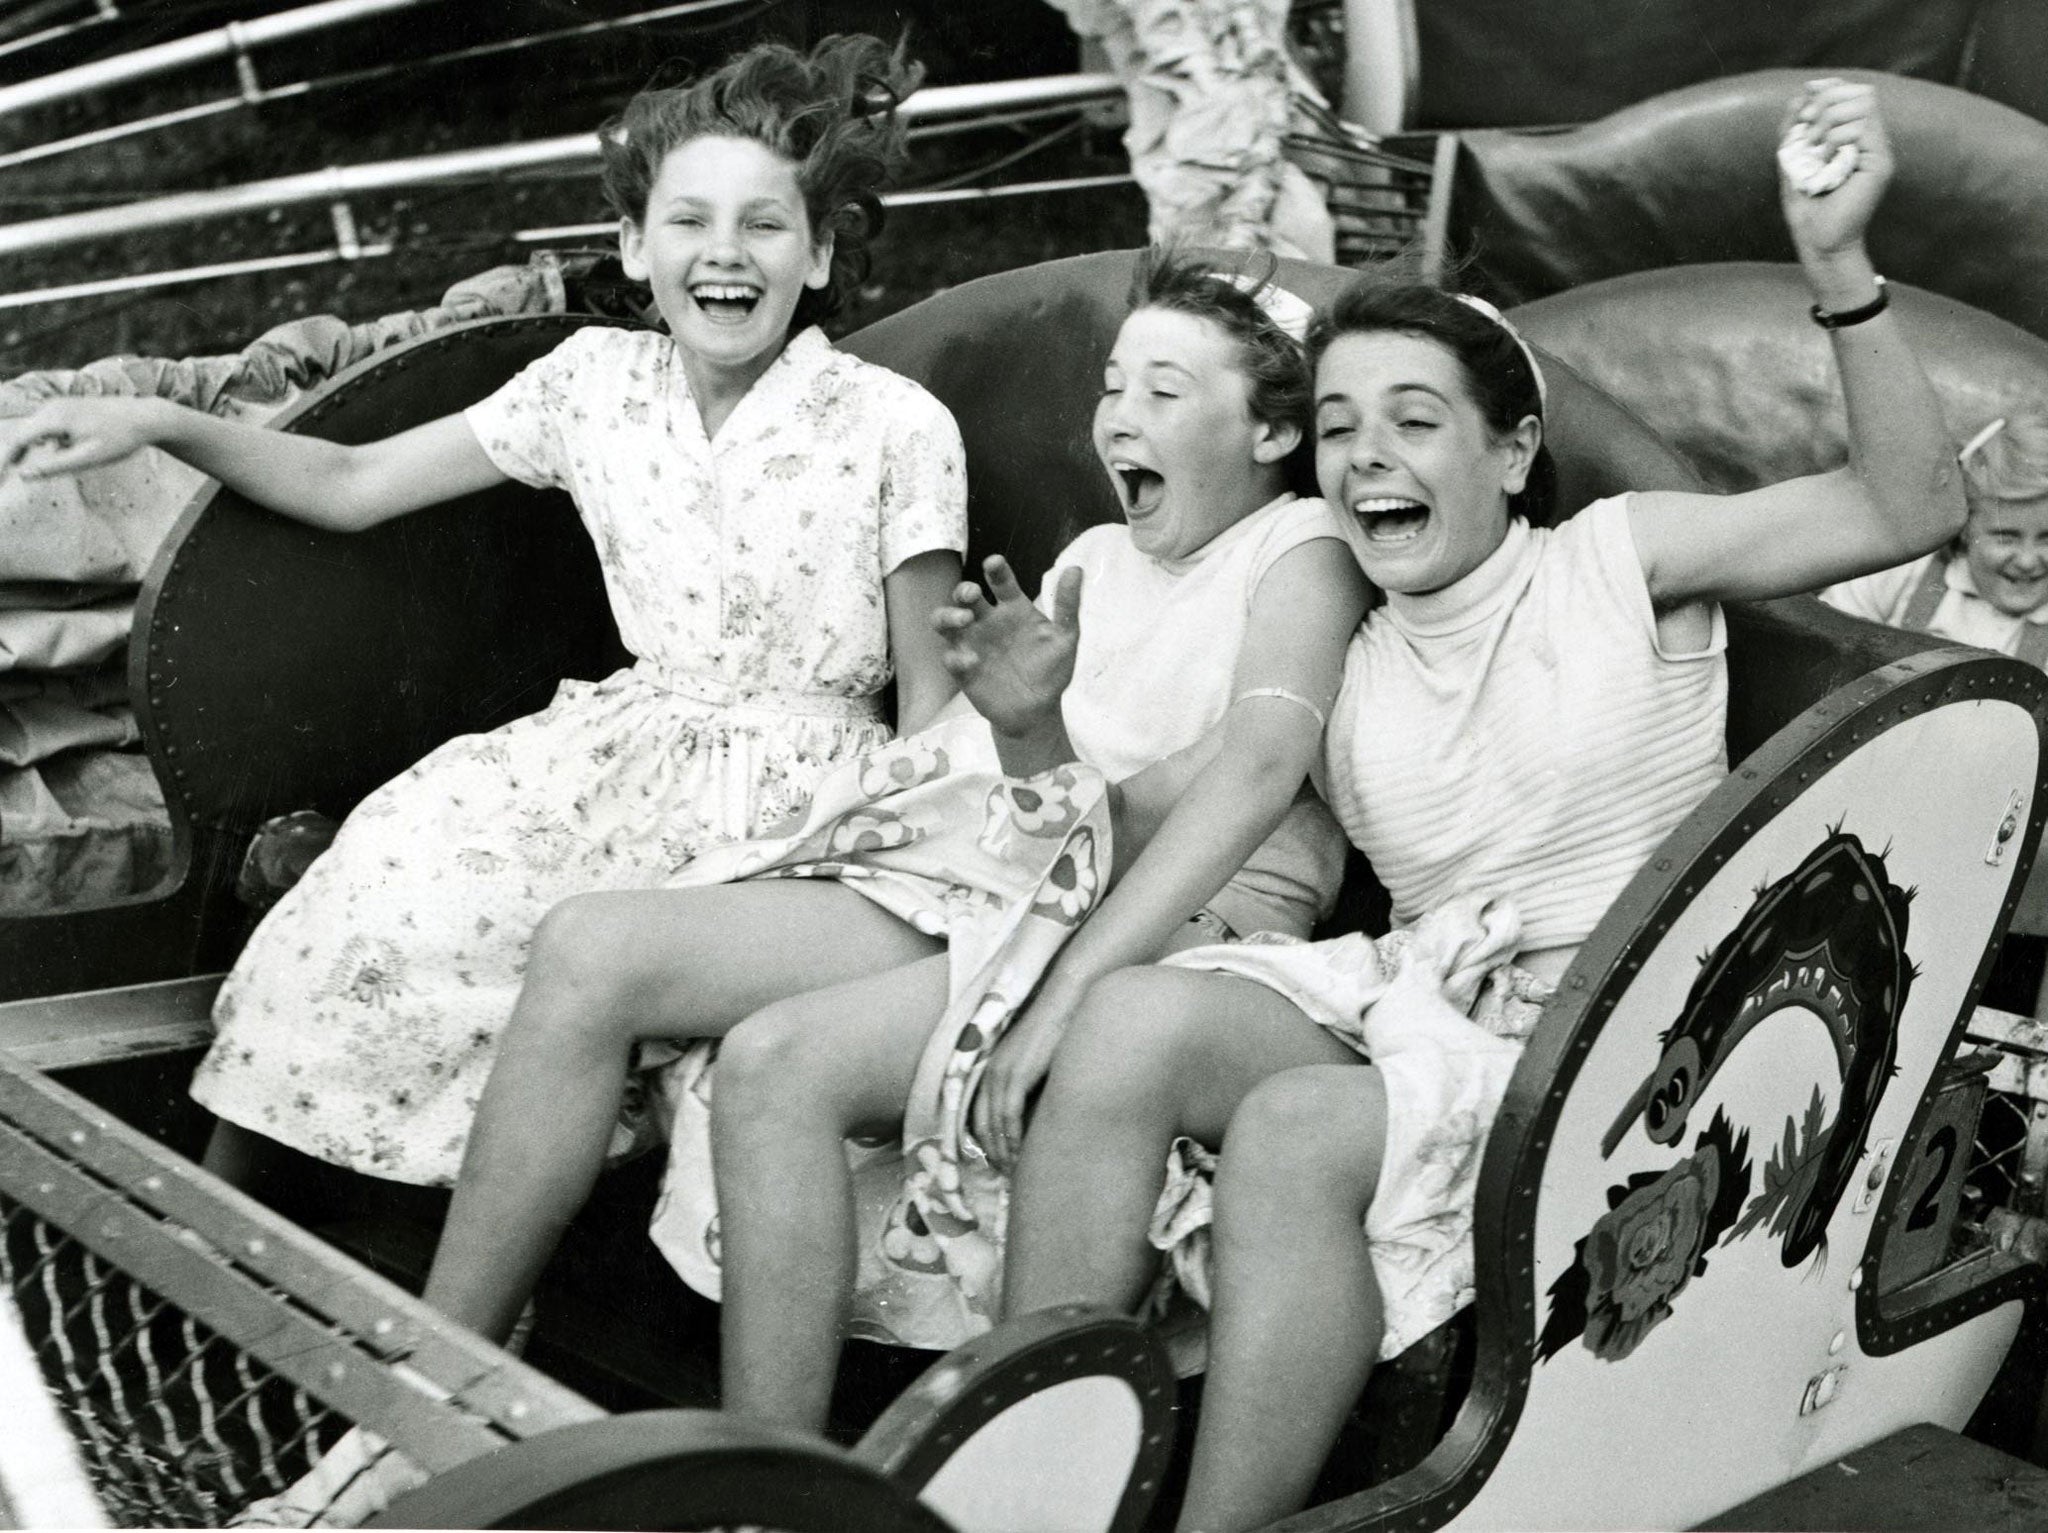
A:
(813, 351)
(1092, 546)
(608, 345)
(1301, 520)
(1595, 544)
(902, 402)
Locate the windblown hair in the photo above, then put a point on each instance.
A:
(1496, 370)
(1273, 361)
(2013, 465)
(830, 112)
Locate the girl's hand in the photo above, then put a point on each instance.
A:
(1012, 661)
(1824, 118)
(68, 436)
(1016, 1068)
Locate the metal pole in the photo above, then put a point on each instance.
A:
(574, 151)
(235, 38)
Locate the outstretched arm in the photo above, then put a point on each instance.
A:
(326, 484)
(1901, 493)
(1301, 621)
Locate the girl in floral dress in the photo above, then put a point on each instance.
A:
(775, 519)
(1520, 726)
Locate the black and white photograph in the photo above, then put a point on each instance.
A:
(1024, 766)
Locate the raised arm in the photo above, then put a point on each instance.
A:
(1302, 618)
(322, 483)
(1900, 494)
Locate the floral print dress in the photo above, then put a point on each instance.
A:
(745, 573)
(1004, 870)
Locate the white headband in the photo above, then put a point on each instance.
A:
(1481, 306)
(1977, 443)
(1283, 308)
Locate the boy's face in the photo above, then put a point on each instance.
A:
(2006, 543)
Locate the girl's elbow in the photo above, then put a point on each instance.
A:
(1936, 516)
(1272, 773)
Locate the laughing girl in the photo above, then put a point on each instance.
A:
(776, 521)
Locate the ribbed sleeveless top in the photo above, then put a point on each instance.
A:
(1523, 732)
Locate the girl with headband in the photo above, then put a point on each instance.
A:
(1520, 725)
(1990, 586)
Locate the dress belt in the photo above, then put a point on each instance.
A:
(723, 694)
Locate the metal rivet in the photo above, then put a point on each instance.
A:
(76, 1136)
(152, 1184)
(337, 1371)
(517, 1410)
(383, 1328)
(255, 1248)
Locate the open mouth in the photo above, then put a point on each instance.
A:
(728, 302)
(1391, 519)
(1142, 486)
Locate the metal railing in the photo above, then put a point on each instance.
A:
(234, 41)
(202, 1351)
(574, 152)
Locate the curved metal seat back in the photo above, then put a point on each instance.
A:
(280, 667)
(276, 667)
(1689, 177)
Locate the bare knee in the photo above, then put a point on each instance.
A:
(1316, 1132)
(776, 1072)
(1126, 1046)
(584, 948)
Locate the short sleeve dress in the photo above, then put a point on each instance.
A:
(745, 573)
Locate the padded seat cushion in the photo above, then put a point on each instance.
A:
(1721, 362)
(1689, 177)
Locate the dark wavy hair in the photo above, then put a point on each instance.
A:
(1497, 371)
(1282, 382)
(830, 112)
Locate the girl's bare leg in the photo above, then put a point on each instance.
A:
(1296, 1325)
(607, 970)
(1152, 1053)
(793, 1081)
(240, 1157)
